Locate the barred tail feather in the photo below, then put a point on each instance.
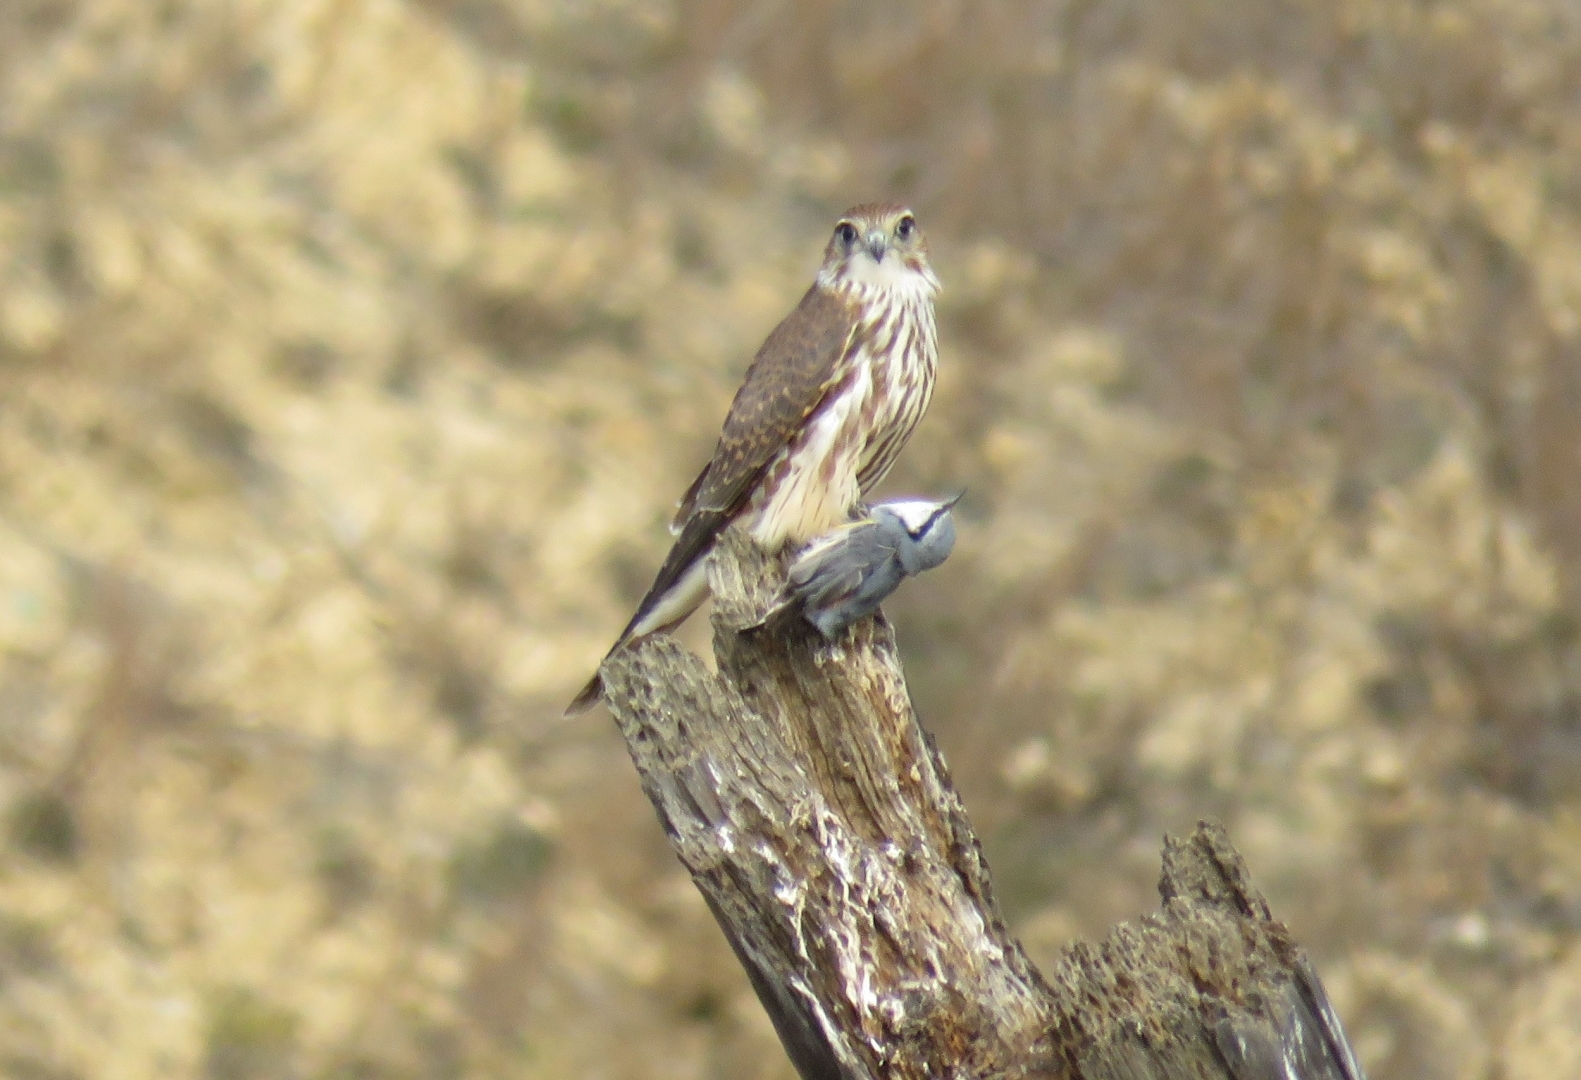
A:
(590, 695)
(659, 611)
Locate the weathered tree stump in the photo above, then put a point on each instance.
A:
(819, 821)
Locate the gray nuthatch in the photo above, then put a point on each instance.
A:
(844, 575)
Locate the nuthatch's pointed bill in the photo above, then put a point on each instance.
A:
(844, 575)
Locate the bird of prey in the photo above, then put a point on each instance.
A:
(826, 405)
(844, 575)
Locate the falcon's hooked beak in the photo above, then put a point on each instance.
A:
(877, 244)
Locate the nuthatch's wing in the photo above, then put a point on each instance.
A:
(844, 576)
(820, 569)
(840, 581)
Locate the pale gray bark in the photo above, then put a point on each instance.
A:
(819, 821)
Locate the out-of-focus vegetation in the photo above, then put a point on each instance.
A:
(352, 352)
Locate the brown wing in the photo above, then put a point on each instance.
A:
(683, 509)
(787, 382)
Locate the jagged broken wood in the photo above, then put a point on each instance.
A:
(819, 821)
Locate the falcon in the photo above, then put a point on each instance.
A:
(826, 405)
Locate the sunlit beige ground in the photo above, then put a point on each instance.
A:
(353, 351)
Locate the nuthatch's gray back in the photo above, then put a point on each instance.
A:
(844, 575)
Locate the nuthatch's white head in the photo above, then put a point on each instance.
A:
(844, 575)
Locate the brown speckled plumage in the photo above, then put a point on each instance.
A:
(789, 379)
(829, 400)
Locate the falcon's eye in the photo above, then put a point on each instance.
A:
(846, 232)
(906, 227)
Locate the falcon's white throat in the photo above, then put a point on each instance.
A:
(892, 274)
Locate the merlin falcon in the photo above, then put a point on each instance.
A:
(826, 405)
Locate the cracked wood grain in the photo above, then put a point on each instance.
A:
(819, 822)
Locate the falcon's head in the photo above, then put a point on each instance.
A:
(878, 245)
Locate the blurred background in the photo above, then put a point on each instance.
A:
(353, 352)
